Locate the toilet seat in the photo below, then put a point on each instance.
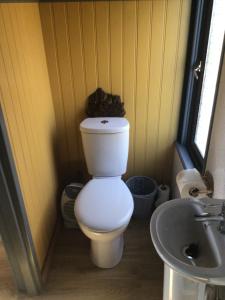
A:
(104, 204)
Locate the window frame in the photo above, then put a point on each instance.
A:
(201, 12)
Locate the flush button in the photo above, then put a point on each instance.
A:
(104, 121)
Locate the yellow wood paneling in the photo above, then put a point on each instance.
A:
(29, 113)
(142, 81)
(77, 60)
(103, 45)
(129, 70)
(155, 83)
(171, 40)
(132, 48)
(88, 23)
(64, 63)
(116, 46)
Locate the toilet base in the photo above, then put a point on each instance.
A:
(107, 254)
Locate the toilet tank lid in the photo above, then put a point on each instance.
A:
(104, 125)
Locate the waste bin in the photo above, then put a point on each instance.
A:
(68, 199)
(144, 190)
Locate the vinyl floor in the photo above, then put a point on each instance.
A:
(139, 276)
(7, 285)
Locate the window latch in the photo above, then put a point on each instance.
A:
(197, 68)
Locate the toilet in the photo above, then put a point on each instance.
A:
(104, 206)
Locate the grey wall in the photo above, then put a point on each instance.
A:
(177, 167)
(216, 154)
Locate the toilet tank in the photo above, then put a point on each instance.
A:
(105, 143)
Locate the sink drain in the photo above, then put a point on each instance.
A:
(191, 252)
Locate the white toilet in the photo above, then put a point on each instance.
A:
(105, 205)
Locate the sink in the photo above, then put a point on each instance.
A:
(174, 228)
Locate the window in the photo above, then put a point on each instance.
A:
(202, 72)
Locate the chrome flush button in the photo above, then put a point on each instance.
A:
(104, 121)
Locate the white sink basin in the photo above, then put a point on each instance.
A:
(174, 228)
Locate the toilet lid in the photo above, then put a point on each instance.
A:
(104, 204)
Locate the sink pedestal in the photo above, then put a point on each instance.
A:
(192, 249)
(178, 287)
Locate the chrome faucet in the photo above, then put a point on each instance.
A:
(209, 217)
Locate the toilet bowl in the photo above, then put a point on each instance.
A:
(103, 210)
(106, 247)
(104, 206)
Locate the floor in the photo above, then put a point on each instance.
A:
(73, 276)
(7, 286)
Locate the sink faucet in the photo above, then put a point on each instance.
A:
(209, 217)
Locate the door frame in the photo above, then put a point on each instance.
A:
(14, 225)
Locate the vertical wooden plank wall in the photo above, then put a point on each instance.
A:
(133, 48)
(26, 101)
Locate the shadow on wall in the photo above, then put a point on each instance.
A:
(67, 170)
